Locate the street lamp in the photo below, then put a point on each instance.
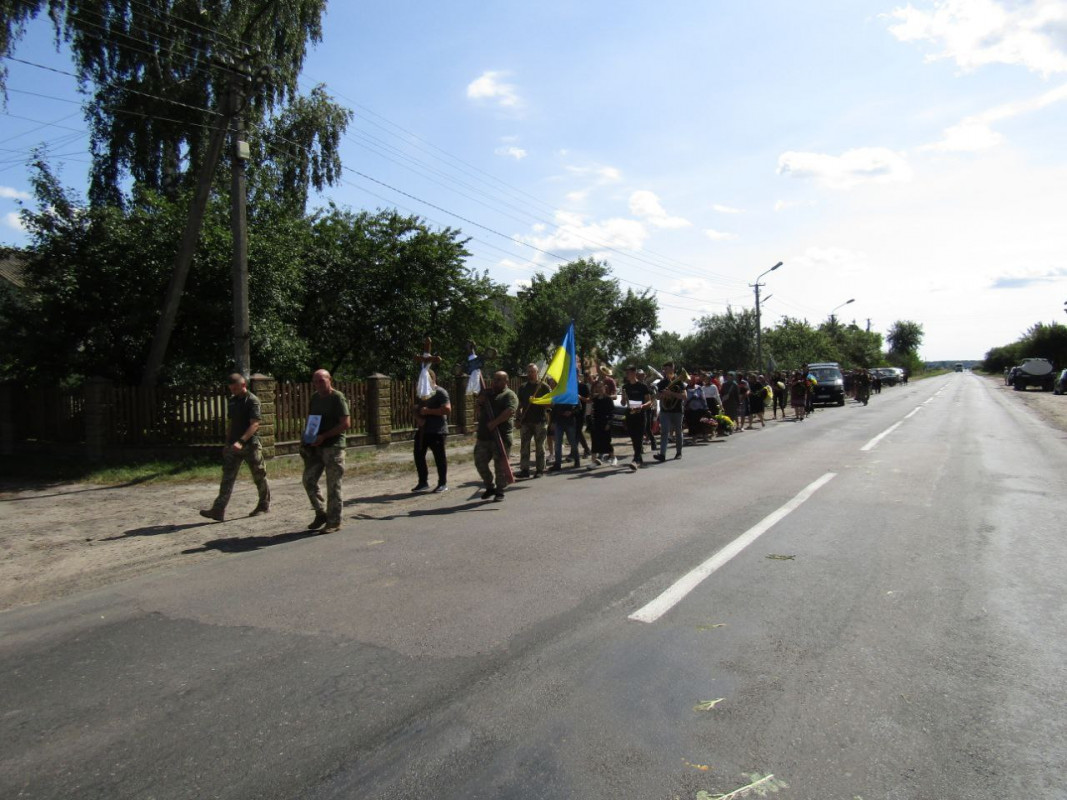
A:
(833, 321)
(759, 333)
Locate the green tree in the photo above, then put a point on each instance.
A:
(723, 341)
(156, 75)
(855, 347)
(378, 284)
(905, 337)
(607, 321)
(95, 274)
(794, 342)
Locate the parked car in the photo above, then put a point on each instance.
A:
(888, 375)
(1060, 386)
(830, 387)
(1034, 372)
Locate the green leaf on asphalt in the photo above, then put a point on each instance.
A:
(707, 705)
(758, 785)
(711, 627)
(780, 557)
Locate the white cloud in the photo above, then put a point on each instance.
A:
(646, 204)
(601, 174)
(838, 260)
(491, 86)
(782, 205)
(519, 284)
(511, 151)
(575, 235)
(512, 266)
(7, 193)
(975, 33)
(853, 167)
(975, 133)
(577, 196)
(719, 236)
(726, 209)
(13, 220)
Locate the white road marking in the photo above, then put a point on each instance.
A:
(913, 413)
(688, 582)
(873, 442)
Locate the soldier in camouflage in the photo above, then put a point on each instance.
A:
(242, 446)
(325, 451)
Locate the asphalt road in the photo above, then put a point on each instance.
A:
(909, 640)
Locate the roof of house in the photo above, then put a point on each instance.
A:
(12, 264)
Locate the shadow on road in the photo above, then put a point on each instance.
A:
(155, 530)
(246, 544)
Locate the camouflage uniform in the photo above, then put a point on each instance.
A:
(242, 410)
(486, 444)
(332, 461)
(328, 457)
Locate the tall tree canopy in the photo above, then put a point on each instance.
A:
(157, 73)
(606, 319)
(905, 337)
(724, 341)
(353, 292)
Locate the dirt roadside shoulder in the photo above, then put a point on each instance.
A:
(1049, 407)
(65, 538)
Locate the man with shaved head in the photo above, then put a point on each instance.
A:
(242, 445)
(323, 449)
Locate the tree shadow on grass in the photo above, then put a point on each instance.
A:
(155, 530)
(246, 544)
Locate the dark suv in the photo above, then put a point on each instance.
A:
(831, 384)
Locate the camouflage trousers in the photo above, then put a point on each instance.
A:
(252, 454)
(332, 461)
(536, 432)
(486, 452)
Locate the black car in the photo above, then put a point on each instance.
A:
(830, 388)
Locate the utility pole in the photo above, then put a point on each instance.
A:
(759, 327)
(868, 324)
(239, 229)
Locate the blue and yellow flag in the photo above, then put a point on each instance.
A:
(564, 371)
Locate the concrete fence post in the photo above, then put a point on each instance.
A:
(99, 404)
(265, 388)
(379, 409)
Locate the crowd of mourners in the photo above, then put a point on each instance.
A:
(653, 408)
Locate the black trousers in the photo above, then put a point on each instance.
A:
(635, 426)
(435, 443)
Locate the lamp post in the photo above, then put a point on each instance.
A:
(833, 320)
(759, 333)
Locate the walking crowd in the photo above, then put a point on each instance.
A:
(653, 408)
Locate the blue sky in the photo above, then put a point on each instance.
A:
(908, 156)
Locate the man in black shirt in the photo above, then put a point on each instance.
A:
(637, 397)
(432, 421)
(242, 446)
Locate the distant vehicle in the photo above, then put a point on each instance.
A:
(831, 383)
(959, 368)
(1034, 372)
(888, 375)
(1060, 386)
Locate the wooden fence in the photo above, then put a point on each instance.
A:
(153, 416)
(102, 418)
(291, 408)
(47, 414)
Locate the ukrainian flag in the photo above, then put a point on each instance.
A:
(564, 371)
